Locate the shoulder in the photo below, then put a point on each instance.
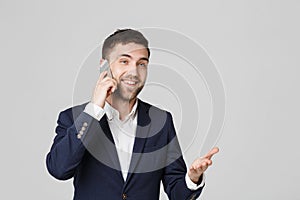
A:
(154, 113)
(72, 112)
(149, 107)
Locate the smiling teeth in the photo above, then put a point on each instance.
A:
(130, 82)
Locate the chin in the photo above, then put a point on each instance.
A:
(128, 96)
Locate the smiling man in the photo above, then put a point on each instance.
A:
(118, 147)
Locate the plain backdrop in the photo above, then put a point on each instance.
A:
(254, 44)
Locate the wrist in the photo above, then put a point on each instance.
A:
(195, 179)
(100, 104)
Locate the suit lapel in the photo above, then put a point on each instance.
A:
(111, 151)
(142, 130)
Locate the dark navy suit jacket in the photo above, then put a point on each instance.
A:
(83, 149)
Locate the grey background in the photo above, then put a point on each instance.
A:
(255, 45)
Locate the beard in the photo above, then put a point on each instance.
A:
(128, 93)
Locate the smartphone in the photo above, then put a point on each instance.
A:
(105, 67)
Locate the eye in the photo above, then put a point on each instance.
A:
(143, 64)
(124, 61)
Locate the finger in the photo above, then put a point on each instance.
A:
(114, 85)
(211, 153)
(106, 80)
(204, 167)
(192, 169)
(109, 84)
(201, 168)
(203, 162)
(209, 162)
(102, 76)
(114, 82)
(195, 166)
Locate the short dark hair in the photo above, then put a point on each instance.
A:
(123, 36)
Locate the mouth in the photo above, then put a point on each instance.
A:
(130, 82)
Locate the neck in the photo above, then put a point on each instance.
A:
(123, 106)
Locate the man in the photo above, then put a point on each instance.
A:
(117, 146)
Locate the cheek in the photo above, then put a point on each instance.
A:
(143, 74)
(118, 72)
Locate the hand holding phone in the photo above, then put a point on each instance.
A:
(106, 85)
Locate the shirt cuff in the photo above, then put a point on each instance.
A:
(193, 186)
(94, 110)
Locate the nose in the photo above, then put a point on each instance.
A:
(133, 69)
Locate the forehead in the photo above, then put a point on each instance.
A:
(137, 51)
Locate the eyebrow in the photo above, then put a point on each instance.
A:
(129, 56)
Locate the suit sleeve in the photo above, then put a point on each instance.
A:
(174, 174)
(67, 149)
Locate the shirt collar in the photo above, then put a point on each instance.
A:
(112, 113)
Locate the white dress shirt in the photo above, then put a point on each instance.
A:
(123, 132)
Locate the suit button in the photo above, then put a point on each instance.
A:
(124, 196)
(85, 124)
